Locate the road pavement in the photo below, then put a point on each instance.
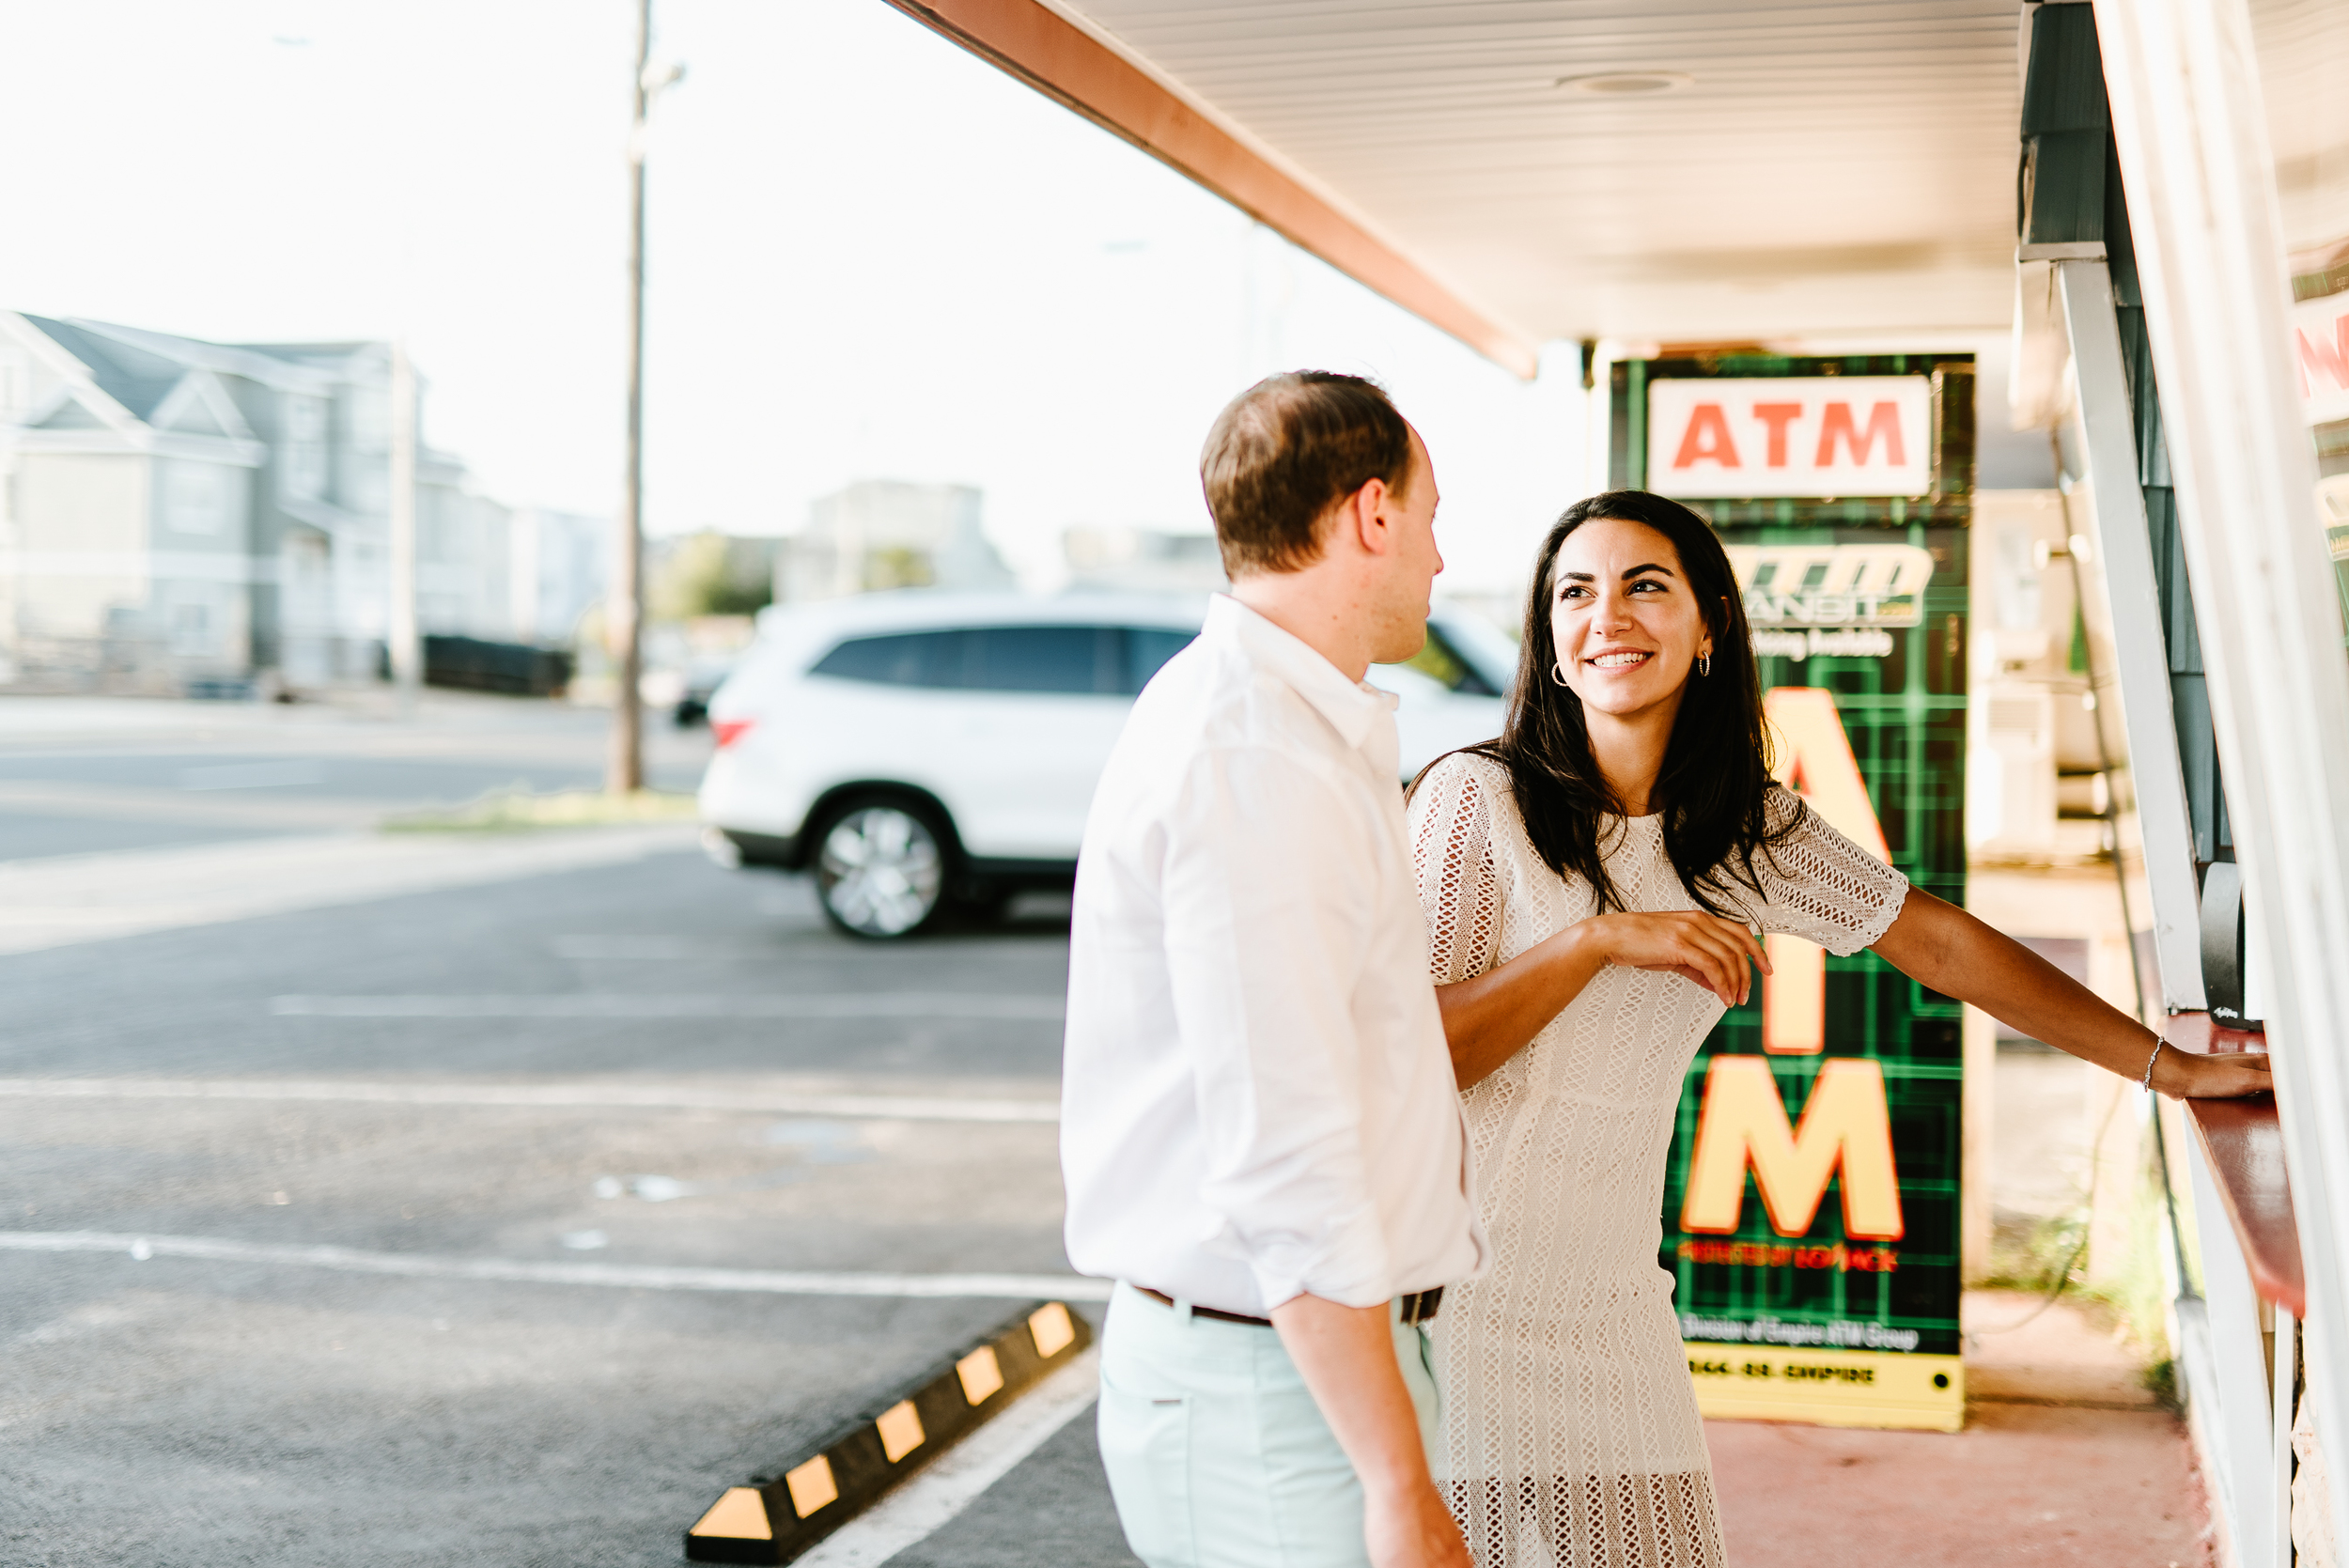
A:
(461, 1223)
(85, 775)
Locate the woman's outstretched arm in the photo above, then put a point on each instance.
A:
(1940, 945)
(1489, 1018)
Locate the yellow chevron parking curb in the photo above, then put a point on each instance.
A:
(777, 1517)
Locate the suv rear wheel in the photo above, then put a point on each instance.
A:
(881, 868)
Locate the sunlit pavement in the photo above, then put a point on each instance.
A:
(2066, 1459)
(425, 1076)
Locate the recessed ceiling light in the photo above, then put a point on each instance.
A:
(1628, 84)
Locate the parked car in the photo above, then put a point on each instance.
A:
(920, 749)
(700, 680)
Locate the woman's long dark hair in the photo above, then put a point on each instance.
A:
(1713, 789)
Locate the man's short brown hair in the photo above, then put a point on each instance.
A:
(1284, 452)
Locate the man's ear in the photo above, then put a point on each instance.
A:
(1358, 515)
(1373, 509)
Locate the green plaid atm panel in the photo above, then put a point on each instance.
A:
(1811, 1199)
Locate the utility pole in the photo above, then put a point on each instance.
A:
(402, 643)
(624, 773)
(624, 618)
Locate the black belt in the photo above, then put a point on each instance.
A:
(1418, 1307)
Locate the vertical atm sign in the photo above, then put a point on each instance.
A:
(1793, 436)
(2320, 347)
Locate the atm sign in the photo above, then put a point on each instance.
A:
(1796, 436)
(2320, 347)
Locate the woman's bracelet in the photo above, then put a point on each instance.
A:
(2146, 1083)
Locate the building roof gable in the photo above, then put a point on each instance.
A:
(199, 405)
(285, 372)
(132, 375)
(68, 411)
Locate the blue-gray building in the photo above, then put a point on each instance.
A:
(175, 512)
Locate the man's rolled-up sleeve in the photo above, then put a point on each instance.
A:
(1267, 901)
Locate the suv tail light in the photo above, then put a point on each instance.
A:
(728, 731)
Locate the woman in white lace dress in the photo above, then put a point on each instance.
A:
(1593, 880)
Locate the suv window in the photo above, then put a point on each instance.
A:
(1148, 648)
(902, 659)
(1107, 660)
(1071, 660)
(1066, 658)
(1445, 664)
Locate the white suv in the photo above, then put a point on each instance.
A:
(919, 748)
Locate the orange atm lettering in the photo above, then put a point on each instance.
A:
(1846, 1126)
(1814, 758)
(1884, 420)
(1708, 437)
(1777, 417)
(2331, 360)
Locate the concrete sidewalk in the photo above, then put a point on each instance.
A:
(2067, 1458)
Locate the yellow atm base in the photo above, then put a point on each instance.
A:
(1829, 1388)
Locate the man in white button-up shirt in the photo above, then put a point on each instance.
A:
(1260, 1132)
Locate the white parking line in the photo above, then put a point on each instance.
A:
(914, 1510)
(254, 775)
(883, 1107)
(695, 1005)
(1016, 1287)
(659, 948)
(134, 803)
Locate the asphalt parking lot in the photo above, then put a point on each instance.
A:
(430, 1197)
(81, 776)
(647, 1070)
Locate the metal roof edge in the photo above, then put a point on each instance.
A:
(1054, 50)
(201, 353)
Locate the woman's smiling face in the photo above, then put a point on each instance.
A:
(1622, 618)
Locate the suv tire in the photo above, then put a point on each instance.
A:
(882, 866)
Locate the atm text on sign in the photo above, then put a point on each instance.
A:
(1791, 436)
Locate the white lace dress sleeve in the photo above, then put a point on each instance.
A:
(1452, 852)
(1819, 885)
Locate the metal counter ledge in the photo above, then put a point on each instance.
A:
(2244, 1143)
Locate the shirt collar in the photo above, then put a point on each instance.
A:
(1352, 708)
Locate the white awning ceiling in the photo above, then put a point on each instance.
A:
(1832, 167)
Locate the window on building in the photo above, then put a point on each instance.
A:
(192, 630)
(16, 383)
(198, 498)
(302, 452)
(368, 486)
(370, 413)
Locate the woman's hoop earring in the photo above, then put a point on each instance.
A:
(1555, 673)
(1704, 665)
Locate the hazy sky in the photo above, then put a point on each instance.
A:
(872, 255)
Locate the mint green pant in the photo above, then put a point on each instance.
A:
(1216, 1452)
